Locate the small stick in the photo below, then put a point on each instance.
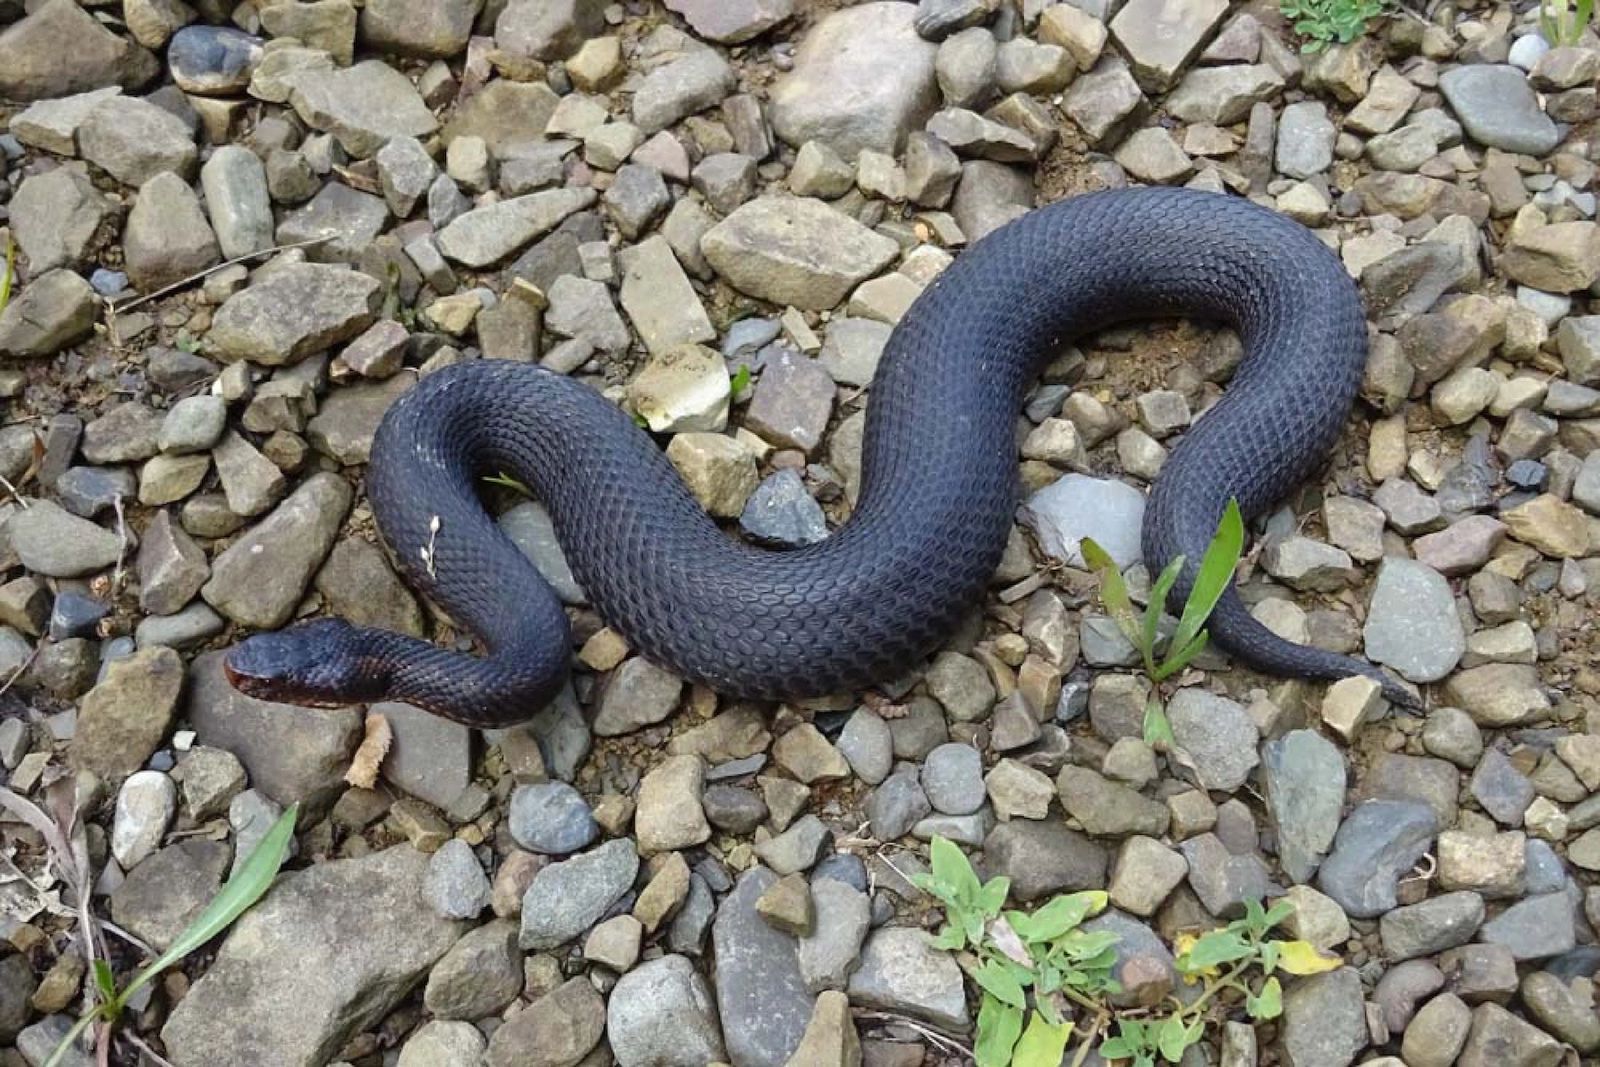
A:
(117, 309)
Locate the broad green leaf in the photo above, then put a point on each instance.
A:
(1255, 917)
(1060, 915)
(1268, 951)
(1157, 729)
(1214, 576)
(1047, 1007)
(1213, 950)
(1042, 1044)
(104, 982)
(999, 1026)
(1279, 912)
(1172, 1037)
(1267, 1004)
(248, 884)
(1115, 1048)
(952, 868)
(741, 380)
(950, 939)
(992, 897)
(1302, 957)
(1113, 590)
(1088, 945)
(998, 981)
(1154, 606)
(1179, 658)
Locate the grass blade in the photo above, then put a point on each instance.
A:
(71, 1037)
(1113, 590)
(1214, 577)
(11, 271)
(246, 887)
(1153, 609)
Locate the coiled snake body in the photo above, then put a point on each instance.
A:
(939, 481)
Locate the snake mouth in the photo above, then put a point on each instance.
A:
(308, 665)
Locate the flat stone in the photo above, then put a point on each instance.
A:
(52, 541)
(795, 251)
(260, 578)
(59, 49)
(874, 48)
(167, 238)
(362, 588)
(569, 897)
(345, 427)
(1412, 623)
(293, 312)
(56, 217)
(53, 311)
(659, 301)
(546, 30)
(281, 991)
(166, 892)
(235, 184)
(363, 106)
(1324, 1020)
(732, 22)
(1224, 95)
(1431, 926)
(502, 114)
(670, 816)
(902, 972)
(663, 1012)
(681, 88)
(478, 976)
(1218, 735)
(1498, 108)
(127, 715)
(1376, 845)
(1534, 929)
(1500, 1039)
(1077, 506)
(1160, 38)
(429, 757)
(762, 998)
(1498, 694)
(563, 1026)
(1562, 257)
(133, 140)
(429, 29)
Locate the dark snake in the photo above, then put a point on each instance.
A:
(939, 479)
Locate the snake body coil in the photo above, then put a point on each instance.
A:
(939, 480)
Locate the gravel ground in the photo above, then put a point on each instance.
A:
(652, 199)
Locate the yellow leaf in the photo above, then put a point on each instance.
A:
(1302, 957)
(363, 772)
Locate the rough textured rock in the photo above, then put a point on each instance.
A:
(795, 250)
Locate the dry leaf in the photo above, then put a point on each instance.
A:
(363, 772)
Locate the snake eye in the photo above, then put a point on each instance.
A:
(313, 664)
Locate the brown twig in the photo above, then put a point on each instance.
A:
(117, 309)
(948, 1044)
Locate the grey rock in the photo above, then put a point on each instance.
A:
(293, 312)
(902, 972)
(1412, 623)
(282, 991)
(429, 757)
(145, 806)
(989, 195)
(126, 433)
(567, 898)
(843, 915)
(55, 310)
(1305, 139)
(897, 805)
(551, 818)
(439, 1043)
(761, 993)
(1376, 845)
(133, 140)
(1160, 38)
(781, 512)
(796, 849)
(1224, 95)
(1500, 1039)
(867, 743)
(1535, 928)
(1217, 734)
(1105, 101)
(363, 106)
(563, 1026)
(490, 234)
(1435, 1036)
(1223, 879)
(59, 49)
(966, 67)
(260, 578)
(292, 755)
(1498, 108)
(657, 296)
(582, 309)
(637, 694)
(1324, 1020)
(548, 30)
(661, 1012)
(1044, 858)
(532, 530)
(235, 184)
(405, 172)
(1076, 506)
(1564, 1008)
(1432, 925)
(346, 221)
(53, 542)
(345, 427)
(795, 250)
(1502, 790)
(952, 778)
(168, 891)
(455, 886)
(435, 29)
(478, 976)
(56, 217)
(167, 237)
(251, 483)
(682, 88)
(361, 587)
(874, 48)
(213, 60)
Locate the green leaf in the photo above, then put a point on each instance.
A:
(1172, 1037)
(1115, 1048)
(1158, 600)
(104, 982)
(741, 380)
(992, 897)
(505, 481)
(1085, 946)
(1113, 590)
(999, 982)
(1267, 1004)
(253, 878)
(952, 868)
(950, 939)
(10, 273)
(1214, 577)
(1157, 730)
(1279, 912)
(999, 1026)
(1213, 950)
(1042, 1044)
(1057, 917)
(1179, 658)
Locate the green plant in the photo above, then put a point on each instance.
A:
(505, 481)
(1562, 22)
(10, 273)
(1142, 630)
(1027, 966)
(740, 381)
(253, 879)
(1323, 22)
(1033, 969)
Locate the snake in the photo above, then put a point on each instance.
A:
(939, 480)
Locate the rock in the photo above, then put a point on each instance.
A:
(133, 140)
(1535, 928)
(970, 134)
(659, 300)
(582, 309)
(295, 311)
(1151, 155)
(146, 804)
(683, 389)
(828, 954)
(795, 251)
(1223, 879)
(58, 544)
(127, 715)
(533, 531)
(345, 221)
(1161, 38)
(681, 88)
(1498, 108)
(867, 745)
(1432, 925)
(830, 1038)
(362, 588)
(732, 22)
(1376, 845)
(1564, 1008)
(441, 1044)
(1500, 1039)
(1436, 1034)
(551, 818)
(902, 972)
(1324, 1020)
(1551, 525)
(1498, 694)
(761, 994)
(1492, 865)
(792, 402)
(1225, 95)
(260, 578)
(479, 976)
(235, 184)
(168, 891)
(897, 805)
(545, 30)
(561, 1027)
(282, 991)
(167, 237)
(59, 49)
(55, 310)
(670, 816)
(952, 777)
(406, 27)
(1501, 790)
(874, 48)
(292, 755)
(490, 234)
(456, 886)
(661, 1012)
(210, 778)
(1218, 736)
(1412, 624)
(1305, 140)
(799, 847)
(1145, 874)
(363, 106)
(990, 195)
(1076, 506)
(637, 694)
(782, 512)
(213, 60)
(1043, 859)
(56, 217)
(1562, 257)
(567, 898)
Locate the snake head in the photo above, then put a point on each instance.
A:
(317, 664)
